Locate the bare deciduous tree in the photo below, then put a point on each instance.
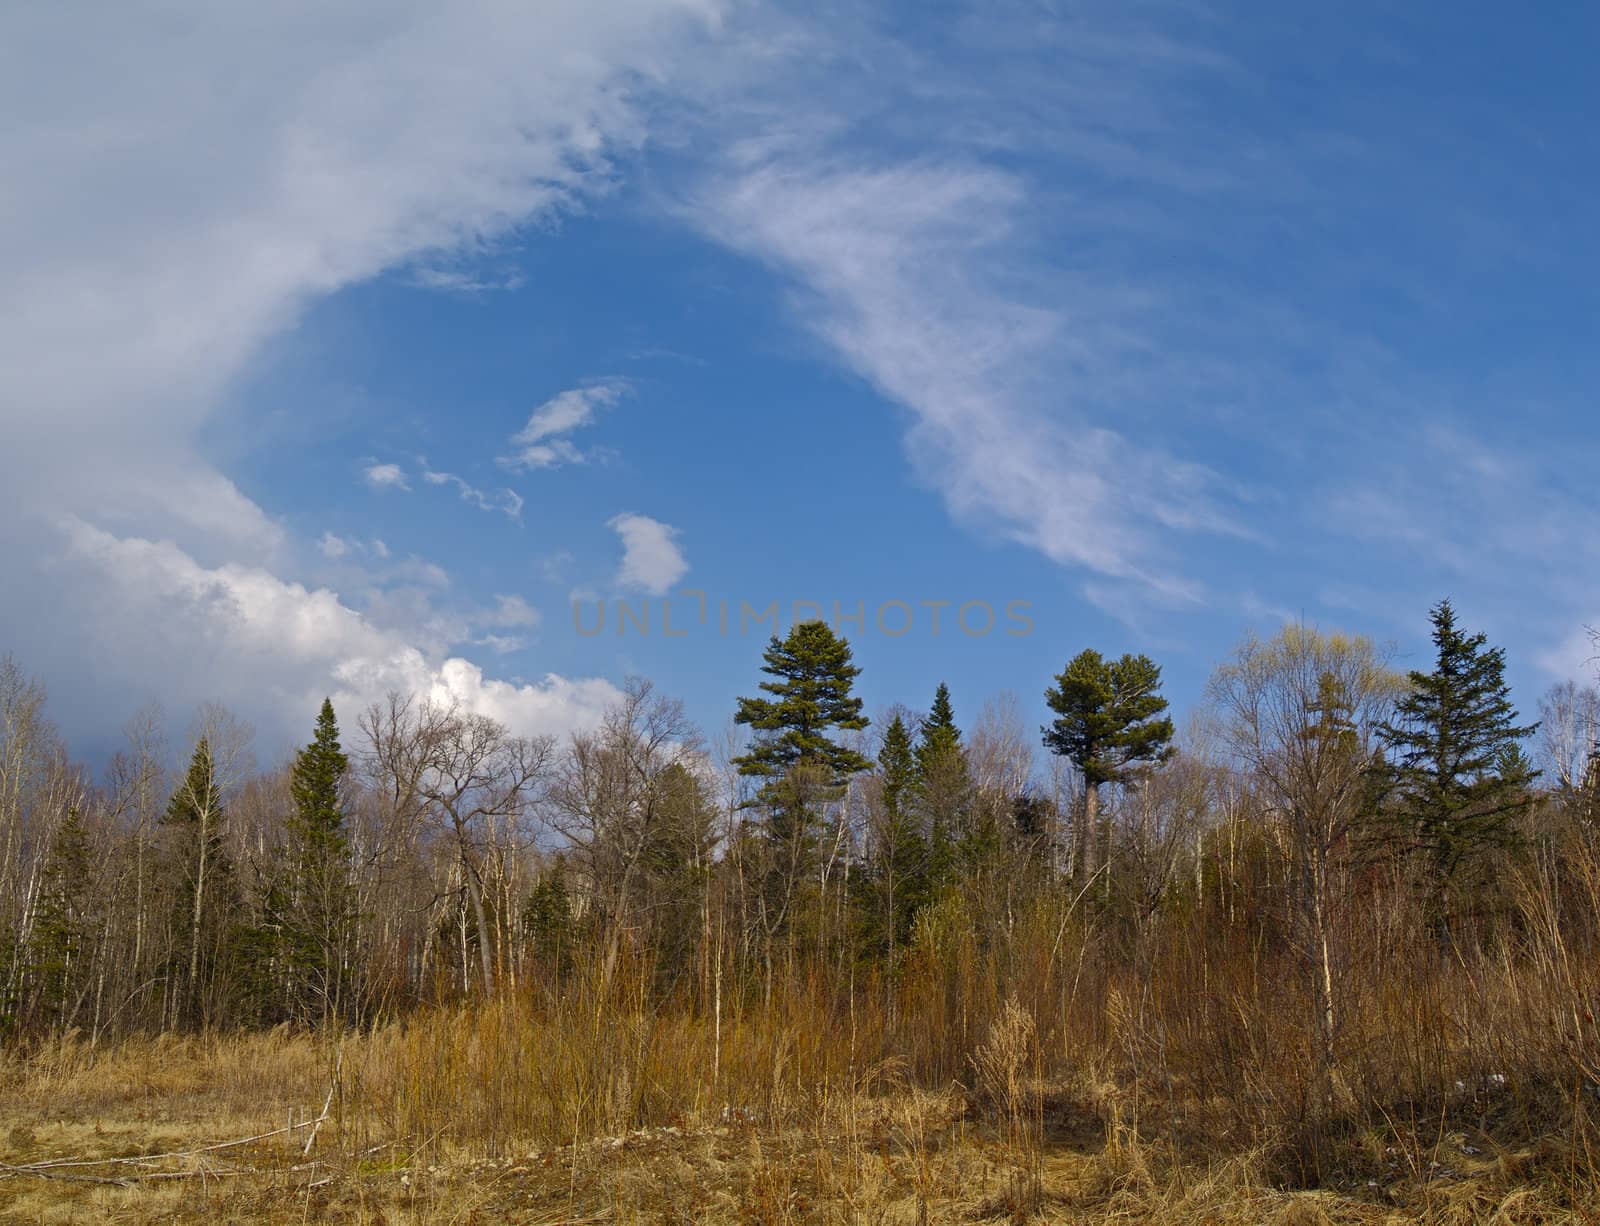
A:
(460, 774)
(1301, 710)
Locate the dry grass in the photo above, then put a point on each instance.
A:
(488, 1114)
(1055, 1073)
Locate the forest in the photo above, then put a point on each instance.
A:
(1336, 935)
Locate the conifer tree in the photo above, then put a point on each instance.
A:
(812, 677)
(62, 931)
(677, 863)
(944, 787)
(796, 756)
(1110, 722)
(896, 884)
(1459, 777)
(547, 921)
(318, 896)
(205, 893)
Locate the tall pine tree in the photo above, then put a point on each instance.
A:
(812, 677)
(1110, 721)
(1459, 779)
(795, 754)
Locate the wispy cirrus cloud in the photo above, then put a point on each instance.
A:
(465, 282)
(506, 501)
(896, 272)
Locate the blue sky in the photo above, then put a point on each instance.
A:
(351, 344)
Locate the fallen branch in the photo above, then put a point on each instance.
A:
(61, 1168)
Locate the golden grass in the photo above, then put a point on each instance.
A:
(497, 1113)
(1051, 1074)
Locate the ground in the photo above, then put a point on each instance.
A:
(160, 1152)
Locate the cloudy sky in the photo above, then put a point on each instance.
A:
(355, 346)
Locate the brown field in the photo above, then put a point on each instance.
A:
(495, 1113)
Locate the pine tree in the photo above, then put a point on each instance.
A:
(1459, 777)
(813, 677)
(802, 767)
(317, 899)
(1110, 722)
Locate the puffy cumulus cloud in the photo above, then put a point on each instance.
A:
(273, 649)
(651, 559)
(200, 175)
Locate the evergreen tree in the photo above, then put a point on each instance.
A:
(677, 864)
(896, 883)
(547, 921)
(944, 792)
(1110, 722)
(205, 893)
(811, 697)
(802, 767)
(1459, 777)
(316, 901)
(62, 931)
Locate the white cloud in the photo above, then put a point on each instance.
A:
(281, 645)
(468, 284)
(512, 611)
(542, 442)
(897, 265)
(651, 559)
(332, 546)
(1577, 657)
(507, 502)
(337, 548)
(189, 196)
(385, 477)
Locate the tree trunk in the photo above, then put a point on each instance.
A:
(1083, 840)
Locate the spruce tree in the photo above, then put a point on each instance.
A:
(896, 883)
(677, 861)
(944, 787)
(317, 898)
(62, 930)
(1110, 722)
(205, 894)
(547, 921)
(1459, 777)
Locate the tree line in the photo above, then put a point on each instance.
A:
(435, 855)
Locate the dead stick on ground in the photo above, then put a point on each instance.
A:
(56, 1164)
(327, 1103)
